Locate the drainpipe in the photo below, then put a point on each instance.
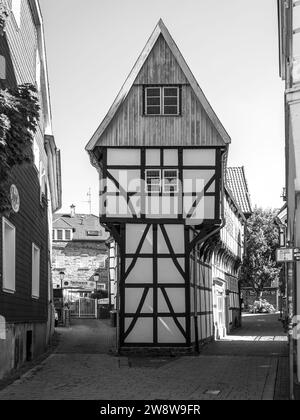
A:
(202, 240)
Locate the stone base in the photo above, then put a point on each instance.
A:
(20, 343)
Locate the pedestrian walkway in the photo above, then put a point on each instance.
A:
(77, 372)
(87, 336)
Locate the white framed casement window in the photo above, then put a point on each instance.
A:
(84, 261)
(170, 181)
(60, 262)
(36, 155)
(153, 180)
(8, 256)
(162, 100)
(62, 234)
(42, 179)
(16, 10)
(2, 67)
(35, 261)
(59, 234)
(38, 69)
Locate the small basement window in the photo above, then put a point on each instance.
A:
(162, 100)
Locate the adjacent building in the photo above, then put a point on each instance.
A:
(26, 310)
(80, 264)
(177, 229)
(289, 59)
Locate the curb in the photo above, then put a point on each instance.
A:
(269, 388)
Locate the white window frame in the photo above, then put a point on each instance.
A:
(177, 183)
(2, 67)
(42, 179)
(146, 178)
(36, 155)
(38, 67)
(84, 261)
(11, 286)
(162, 97)
(101, 286)
(35, 267)
(60, 262)
(54, 234)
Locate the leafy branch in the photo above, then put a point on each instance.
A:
(19, 115)
(4, 14)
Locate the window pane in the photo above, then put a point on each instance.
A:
(153, 181)
(153, 101)
(153, 92)
(170, 101)
(9, 257)
(67, 235)
(170, 181)
(153, 110)
(170, 110)
(59, 235)
(171, 91)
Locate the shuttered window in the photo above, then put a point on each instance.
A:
(162, 100)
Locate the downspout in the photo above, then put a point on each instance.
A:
(202, 240)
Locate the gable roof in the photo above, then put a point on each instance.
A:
(81, 224)
(160, 29)
(237, 183)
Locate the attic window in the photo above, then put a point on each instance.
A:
(162, 100)
(93, 233)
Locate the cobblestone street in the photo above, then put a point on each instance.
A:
(244, 366)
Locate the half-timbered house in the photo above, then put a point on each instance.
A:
(26, 310)
(161, 154)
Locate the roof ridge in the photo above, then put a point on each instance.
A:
(160, 29)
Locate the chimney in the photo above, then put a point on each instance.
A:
(73, 210)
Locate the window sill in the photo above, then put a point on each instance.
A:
(10, 292)
(162, 115)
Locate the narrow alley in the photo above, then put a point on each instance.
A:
(250, 364)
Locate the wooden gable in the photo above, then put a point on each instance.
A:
(126, 125)
(161, 67)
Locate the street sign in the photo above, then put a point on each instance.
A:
(285, 255)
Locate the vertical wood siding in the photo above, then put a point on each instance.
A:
(19, 48)
(130, 127)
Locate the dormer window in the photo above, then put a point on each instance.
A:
(162, 100)
(62, 234)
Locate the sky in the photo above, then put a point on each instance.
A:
(231, 47)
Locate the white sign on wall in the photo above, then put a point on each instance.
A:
(284, 255)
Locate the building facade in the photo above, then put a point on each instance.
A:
(161, 155)
(26, 310)
(289, 59)
(80, 255)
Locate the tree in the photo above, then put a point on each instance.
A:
(19, 116)
(259, 268)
